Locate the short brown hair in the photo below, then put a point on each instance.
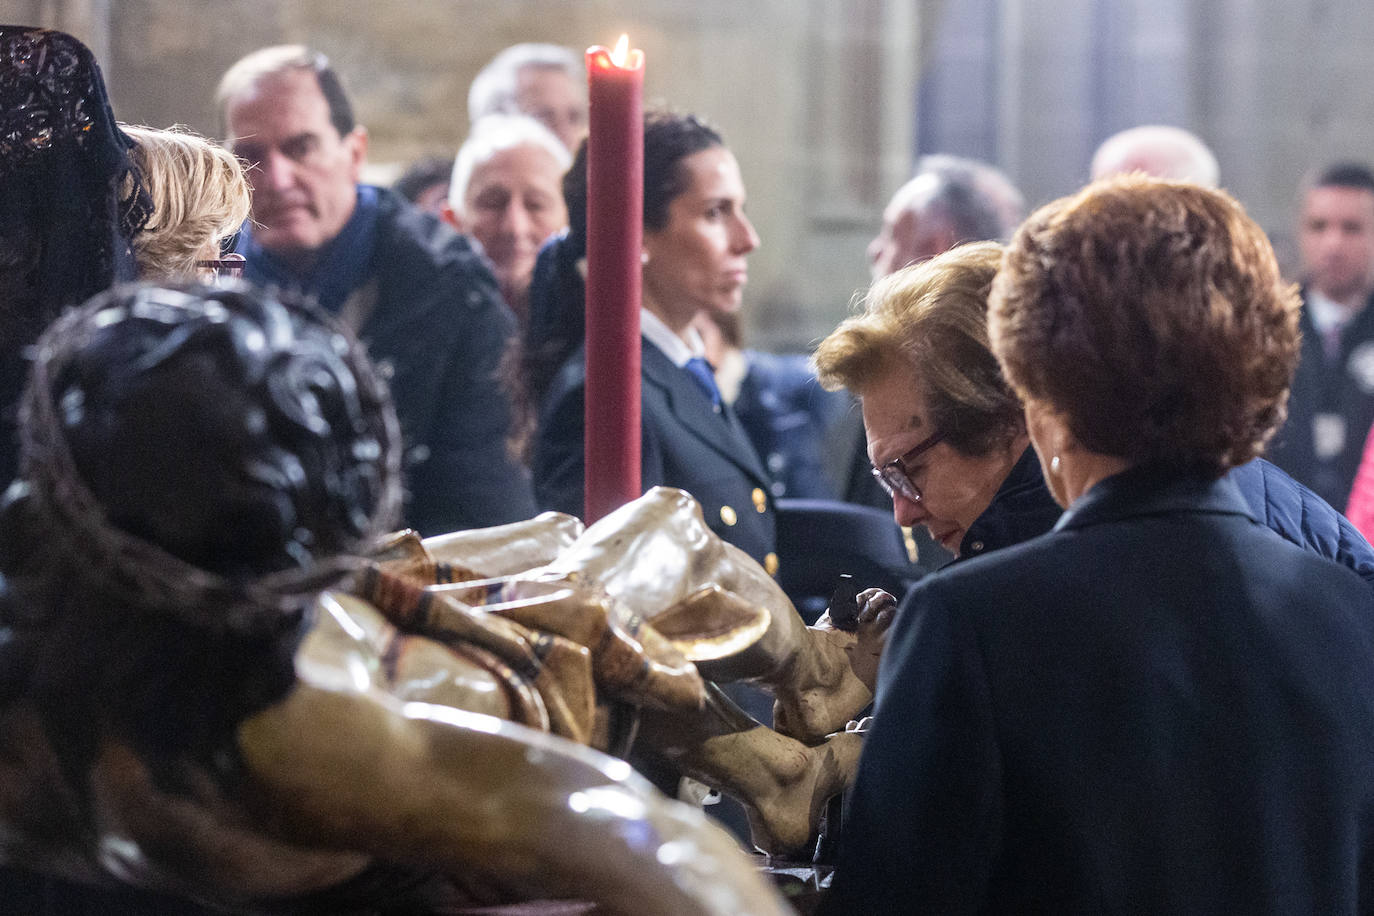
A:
(199, 196)
(1152, 316)
(932, 316)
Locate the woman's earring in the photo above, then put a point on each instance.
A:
(644, 257)
(1054, 465)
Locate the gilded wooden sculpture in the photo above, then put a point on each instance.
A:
(222, 679)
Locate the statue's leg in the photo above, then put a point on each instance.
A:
(807, 670)
(782, 783)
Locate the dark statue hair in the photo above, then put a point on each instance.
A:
(198, 465)
(199, 447)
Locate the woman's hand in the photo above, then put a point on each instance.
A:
(877, 610)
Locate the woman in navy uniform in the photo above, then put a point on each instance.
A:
(697, 239)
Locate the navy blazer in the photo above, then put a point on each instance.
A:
(685, 443)
(1157, 707)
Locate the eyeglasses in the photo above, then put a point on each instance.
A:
(894, 476)
(229, 267)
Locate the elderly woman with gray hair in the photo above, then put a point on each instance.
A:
(1157, 706)
(506, 192)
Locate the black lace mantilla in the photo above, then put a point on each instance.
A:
(53, 101)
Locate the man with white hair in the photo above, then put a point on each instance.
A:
(506, 193)
(949, 200)
(1158, 150)
(546, 82)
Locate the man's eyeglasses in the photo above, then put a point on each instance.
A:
(894, 476)
(217, 270)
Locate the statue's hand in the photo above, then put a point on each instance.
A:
(876, 607)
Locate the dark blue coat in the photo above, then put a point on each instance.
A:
(1159, 707)
(1023, 508)
(685, 443)
(788, 417)
(1299, 515)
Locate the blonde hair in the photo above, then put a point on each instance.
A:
(932, 316)
(200, 196)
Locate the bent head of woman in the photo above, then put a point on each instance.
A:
(944, 428)
(1144, 322)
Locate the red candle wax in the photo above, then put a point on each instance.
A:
(615, 196)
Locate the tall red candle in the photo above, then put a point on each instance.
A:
(615, 198)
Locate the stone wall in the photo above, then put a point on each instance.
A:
(818, 98)
(1275, 87)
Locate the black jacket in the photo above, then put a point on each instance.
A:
(1158, 707)
(1021, 509)
(439, 326)
(1336, 397)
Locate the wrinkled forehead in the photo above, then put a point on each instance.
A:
(525, 162)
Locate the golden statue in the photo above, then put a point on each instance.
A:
(223, 681)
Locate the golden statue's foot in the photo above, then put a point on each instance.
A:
(820, 691)
(783, 821)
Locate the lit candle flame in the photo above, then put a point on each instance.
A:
(622, 51)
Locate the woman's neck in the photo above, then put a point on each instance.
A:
(1081, 470)
(676, 323)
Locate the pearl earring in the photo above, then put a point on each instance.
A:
(644, 257)
(1054, 465)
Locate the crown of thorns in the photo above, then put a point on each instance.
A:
(139, 573)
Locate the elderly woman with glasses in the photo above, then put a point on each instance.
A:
(946, 433)
(1158, 706)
